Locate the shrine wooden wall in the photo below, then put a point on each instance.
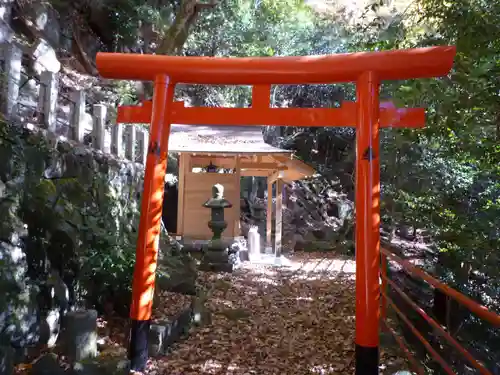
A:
(197, 189)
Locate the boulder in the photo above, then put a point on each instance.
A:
(46, 20)
(6, 360)
(80, 335)
(177, 274)
(50, 326)
(6, 32)
(47, 365)
(157, 334)
(44, 57)
(109, 365)
(164, 334)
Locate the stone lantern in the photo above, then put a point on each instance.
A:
(216, 256)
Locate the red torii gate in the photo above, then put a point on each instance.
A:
(367, 69)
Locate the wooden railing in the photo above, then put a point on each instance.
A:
(387, 303)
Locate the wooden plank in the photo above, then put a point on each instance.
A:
(274, 176)
(198, 188)
(183, 165)
(296, 165)
(202, 162)
(230, 162)
(261, 96)
(345, 116)
(283, 70)
(278, 217)
(269, 166)
(269, 214)
(236, 205)
(254, 172)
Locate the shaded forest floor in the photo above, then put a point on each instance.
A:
(294, 320)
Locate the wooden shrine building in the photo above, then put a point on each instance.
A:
(223, 154)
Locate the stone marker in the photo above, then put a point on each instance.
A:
(253, 243)
(80, 335)
(164, 334)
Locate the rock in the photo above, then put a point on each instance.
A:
(238, 251)
(163, 335)
(19, 322)
(177, 275)
(157, 334)
(50, 327)
(14, 264)
(88, 123)
(80, 335)
(235, 314)
(46, 20)
(186, 286)
(109, 365)
(44, 57)
(6, 32)
(23, 315)
(217, 267)
(6, 360)
(314, 209)
(47, 365)
(178, 328)
(88, 369)
(217, 256)
(200, 314)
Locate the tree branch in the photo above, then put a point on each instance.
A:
(177, 34)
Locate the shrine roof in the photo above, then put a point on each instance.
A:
(220, 139)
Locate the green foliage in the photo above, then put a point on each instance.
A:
(446, 178)
(80, 211)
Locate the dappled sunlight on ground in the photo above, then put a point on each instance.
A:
(266, 320)
(300, 321)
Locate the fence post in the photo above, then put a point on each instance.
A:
(48, 100)
(130, 150)
(117, 140)
(11, 78)
(144, 140)
(5, 15)
(98, 129)
(383, 301)
(78, 115)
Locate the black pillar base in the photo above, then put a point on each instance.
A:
(138, 349)
(366, 360)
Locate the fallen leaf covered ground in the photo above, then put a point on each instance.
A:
(292, 320)
(268, 320)
(300, 320)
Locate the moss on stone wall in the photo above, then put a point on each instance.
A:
(68, 208)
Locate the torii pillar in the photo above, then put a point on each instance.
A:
(367, 70)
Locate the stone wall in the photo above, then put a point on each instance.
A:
(70, 186)
(68, 208)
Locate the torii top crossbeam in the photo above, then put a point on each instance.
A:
(388, 65)
(367, 114)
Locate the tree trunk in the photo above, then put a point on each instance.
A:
(177, 34)
(175, 37)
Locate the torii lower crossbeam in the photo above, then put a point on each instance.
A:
(366, 69)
